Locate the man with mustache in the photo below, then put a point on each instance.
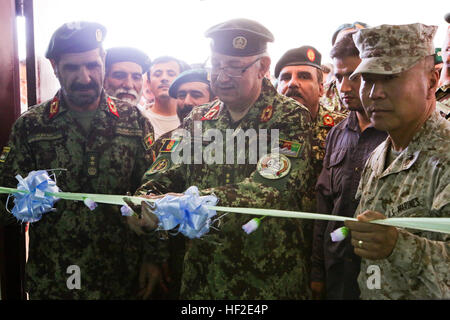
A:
(335, 267)
(162, 114)
(408, 175)
(273, 261)
(124, 69)
(96, 144)
(299, 75)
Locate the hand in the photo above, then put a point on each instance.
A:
(372, 241)
(318, 290)
(149, 276)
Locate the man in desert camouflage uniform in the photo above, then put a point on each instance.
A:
(101, 142)
(407, 175)
(299, 76)
(273, 261)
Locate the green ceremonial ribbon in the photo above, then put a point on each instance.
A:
(426, 224)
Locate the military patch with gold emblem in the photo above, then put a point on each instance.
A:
(169, 145)
(273, 166)
(328, 120)
(54, 107)
(266, 114)
(112, 107)
(159, 165)
(5, 154)
(212, 114)
(290, 148)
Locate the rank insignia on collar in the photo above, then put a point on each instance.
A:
(4, 154)
(328, 120)
(290, 148)
(266, 114)
(273, 166)
(54, 107)
(148, 140)
(112, 107)
(159, 165)
(212, 114)
(169, 145)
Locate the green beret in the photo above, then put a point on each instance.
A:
(193, 75)
(239, 37)
(75, 37)
(120, 54)
(305, 55)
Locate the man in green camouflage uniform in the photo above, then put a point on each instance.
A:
(408, 175)
(273, 262)
(100, 141)
(299, 76)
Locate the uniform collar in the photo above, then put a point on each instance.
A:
(58, 106)
(410, 155)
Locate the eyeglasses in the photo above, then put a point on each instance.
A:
(231, 72)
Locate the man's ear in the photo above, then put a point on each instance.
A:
(433, 83)
(265, 65)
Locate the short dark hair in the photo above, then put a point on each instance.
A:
(345, 47)
(163, 59)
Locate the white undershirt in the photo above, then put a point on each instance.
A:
(161, 124)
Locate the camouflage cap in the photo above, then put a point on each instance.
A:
(239, 37)
(75, 37)
(391, 49)
(120, 54)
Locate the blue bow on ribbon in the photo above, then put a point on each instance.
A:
(29, 207)
(188, 211)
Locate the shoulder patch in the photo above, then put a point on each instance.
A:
(169, 145)
(274, 166)
(5, 154)
(290, 148)
(159, 165)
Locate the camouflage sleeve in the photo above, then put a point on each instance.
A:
(16, 159)
(288, 192)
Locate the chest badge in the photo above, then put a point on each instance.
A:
(273, 166)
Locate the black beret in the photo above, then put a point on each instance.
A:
(193, 75)
(120, 54)
(75, 37)
(305, 55)
(447, 17)
(239, 37)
